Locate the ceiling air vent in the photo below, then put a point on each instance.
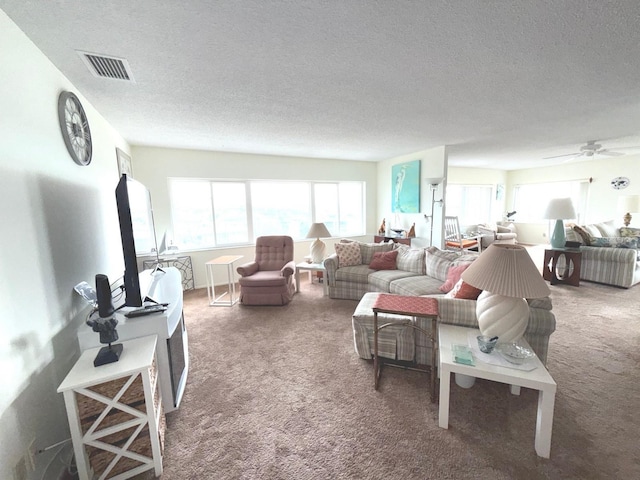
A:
(103, 66)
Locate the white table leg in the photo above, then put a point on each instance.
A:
(514, 389)
(544, 422)
(297, 279)
(445, 384)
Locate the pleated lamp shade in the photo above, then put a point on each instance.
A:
(507, 275)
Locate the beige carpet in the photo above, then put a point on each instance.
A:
(278, 393)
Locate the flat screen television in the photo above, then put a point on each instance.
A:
(137, 231)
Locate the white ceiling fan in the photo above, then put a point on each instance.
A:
(592, 148)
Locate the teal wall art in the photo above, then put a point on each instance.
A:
(405, 187)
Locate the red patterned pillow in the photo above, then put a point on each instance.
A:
(384, 260)
(453, 275)
(464, 290)
(348, 254)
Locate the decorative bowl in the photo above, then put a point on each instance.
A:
(514, 353)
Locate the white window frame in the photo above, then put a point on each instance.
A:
(543, 192)
(340, 231)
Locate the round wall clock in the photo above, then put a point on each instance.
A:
(75, 128)
(620, 182)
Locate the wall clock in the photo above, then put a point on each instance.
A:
(75, 128)
(620, 182)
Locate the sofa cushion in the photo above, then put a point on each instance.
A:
(348, 254)
(415, 286)
(463, 290)
(381, 280)
(410, 259)
(384, 260)
(354, 274)
(453, 275)
(368, 249)
(607, 229)
(437, 262)
(593, 231)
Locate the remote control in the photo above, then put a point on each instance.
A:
(138, 312)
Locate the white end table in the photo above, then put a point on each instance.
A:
(537, 379)
(228, 261)
(312, 267)
(115, 412)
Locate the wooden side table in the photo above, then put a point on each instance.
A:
(115, 412)
(403, 240)
(411, 307)
(562, 266)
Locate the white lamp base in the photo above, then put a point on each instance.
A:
(504, 317)
(317, 251)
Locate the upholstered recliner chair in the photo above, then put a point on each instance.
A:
(268, 280)
(492, 233)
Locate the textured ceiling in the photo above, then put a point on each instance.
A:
(503, 83)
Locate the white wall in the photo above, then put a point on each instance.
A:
(153, 166)
(602, 200)
(59, 227)
(433, 164)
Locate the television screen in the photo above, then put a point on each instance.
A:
(137, 232)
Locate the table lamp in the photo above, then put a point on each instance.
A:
(316, 231)
(628, 204)
(559, 209)
(507, 276)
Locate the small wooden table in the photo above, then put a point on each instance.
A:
(411, 307)
(562, 265)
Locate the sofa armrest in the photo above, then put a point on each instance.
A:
(486, 231)
(331, 265)
(247, 269)
(288, 269)
(609, 265)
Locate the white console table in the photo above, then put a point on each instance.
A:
(169, 326)
(115, 412)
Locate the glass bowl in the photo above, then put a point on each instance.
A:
(486, 343)
(514, 353)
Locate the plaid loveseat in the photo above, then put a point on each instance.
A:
(610, 255)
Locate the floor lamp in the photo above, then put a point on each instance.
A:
(433, 183)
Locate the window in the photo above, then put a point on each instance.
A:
(531, 200)
(470, 203)
(217, 213)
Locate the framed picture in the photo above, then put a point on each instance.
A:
(124, 163)
(405, 187)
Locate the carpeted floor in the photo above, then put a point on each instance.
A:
(279, 393)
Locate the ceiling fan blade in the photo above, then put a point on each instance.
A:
(575, 154)
(609, 153)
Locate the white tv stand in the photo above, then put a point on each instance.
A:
(163, 286)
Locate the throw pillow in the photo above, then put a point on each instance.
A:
(615, 242)
(583, 234)
(629, 232)
(453, 276)
(348, 254)
(437, 262)
(465, 291)
(384, 260)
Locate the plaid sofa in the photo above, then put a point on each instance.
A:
(609, 255)
(419, 272)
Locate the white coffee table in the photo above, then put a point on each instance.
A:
(537, 379)
(312, 267)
